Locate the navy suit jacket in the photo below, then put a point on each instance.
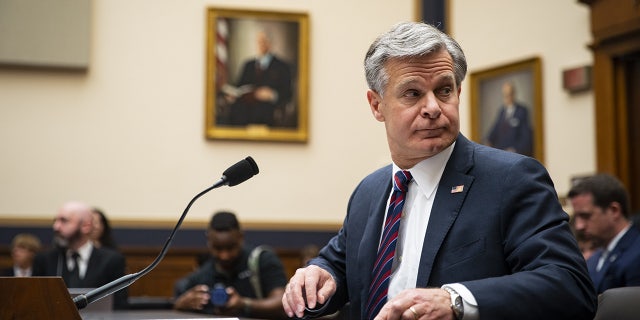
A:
(622, 266)
(105, 265)
(504, 236)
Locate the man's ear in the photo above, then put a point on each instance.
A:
(375, 103)
(616, 209)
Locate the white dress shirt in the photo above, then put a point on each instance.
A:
(19, 272)
(83, 259)
(415, 218)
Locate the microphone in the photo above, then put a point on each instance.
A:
(240, 172)
(234, 175)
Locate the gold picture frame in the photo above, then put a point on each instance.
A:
(492, 125)
(250, 98)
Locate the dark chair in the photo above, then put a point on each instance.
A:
(619, 304)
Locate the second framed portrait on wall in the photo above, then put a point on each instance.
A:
(257, 75)
(506, 107)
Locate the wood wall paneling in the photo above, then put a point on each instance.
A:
(176, 264)
(615, 26)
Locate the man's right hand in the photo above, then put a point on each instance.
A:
(194, 299)
(311, 284)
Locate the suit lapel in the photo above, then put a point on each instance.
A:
(366, 252)
(94, 260)
(627, 240)
(452, 190)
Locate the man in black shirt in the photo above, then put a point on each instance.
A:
(252, 279)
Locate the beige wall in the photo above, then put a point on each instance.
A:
(128, 135)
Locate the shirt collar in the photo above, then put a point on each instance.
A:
(19, 272)
(617, 238)
(265, 60)
(427, 173)
(510, 110)
(84, 251)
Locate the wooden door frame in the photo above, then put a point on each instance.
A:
(615, 26)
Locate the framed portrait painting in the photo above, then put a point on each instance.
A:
(506, 107)
(257, 75)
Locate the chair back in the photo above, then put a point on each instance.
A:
(619, 303)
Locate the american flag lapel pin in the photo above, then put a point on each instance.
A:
(457, 189)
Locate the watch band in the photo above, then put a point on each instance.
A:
(456, 303)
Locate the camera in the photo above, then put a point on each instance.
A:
(219, 295)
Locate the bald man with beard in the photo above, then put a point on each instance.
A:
(74, 256)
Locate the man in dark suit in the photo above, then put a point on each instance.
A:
(75, 258)
(601, 211)
(511, 130)
(481, 233)
(265, 88)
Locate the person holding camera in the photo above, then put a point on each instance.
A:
(237, 280)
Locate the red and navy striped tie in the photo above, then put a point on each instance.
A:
(381, 274)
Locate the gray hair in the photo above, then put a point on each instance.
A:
(409, 40)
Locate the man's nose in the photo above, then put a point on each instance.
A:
(430, 107)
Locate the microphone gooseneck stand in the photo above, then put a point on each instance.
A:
(234, 175)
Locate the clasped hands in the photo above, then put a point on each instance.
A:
(315, 286)
(262, 93)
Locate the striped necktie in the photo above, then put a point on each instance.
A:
(381, 274)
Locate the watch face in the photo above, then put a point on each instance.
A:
(459, 302)
(458, 307)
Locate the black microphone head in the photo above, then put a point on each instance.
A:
(240, 172)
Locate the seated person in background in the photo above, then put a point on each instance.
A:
(101, 234)
(24, 247)
(601, 209)
(75, 258)
(250, 291)
(588, 245)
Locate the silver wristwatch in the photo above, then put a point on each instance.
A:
(456, 303)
